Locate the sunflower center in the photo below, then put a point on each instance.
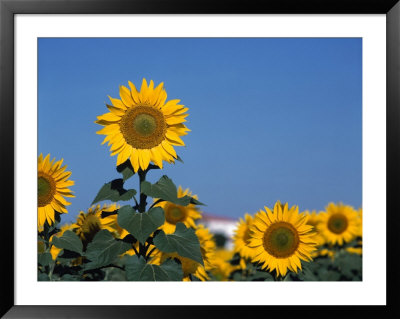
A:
(91, 224)
(41, 247)
(281, 240)
(144, 124)
(44, 186)
(143, 127)
(174, 214)
(46, 189)
(337, 223)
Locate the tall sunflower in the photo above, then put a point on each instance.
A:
(88, 224)
(242, 235)
(339, 223)
(143, 127)
(53, 186)
(176, 213)
(281, 238)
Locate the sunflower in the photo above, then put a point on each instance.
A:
(176, 213)
(339, 223)
(242, 235)
(53, 186)
(90, 223)
(281, 238)
(143, 127)
(221, 266)
(189, 266)
(313, 220)
(54, 251)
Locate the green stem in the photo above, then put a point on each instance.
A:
(142, 206)
(136, 203)
(150, 252)
(53, 264)
(143, 197)
(142, 250)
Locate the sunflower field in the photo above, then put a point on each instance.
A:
(155, 233)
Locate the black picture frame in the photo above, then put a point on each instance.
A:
(8, 8)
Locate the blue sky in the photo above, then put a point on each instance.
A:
(271, 118)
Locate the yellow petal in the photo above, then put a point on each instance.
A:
(144, 158)
(158, 94)
(174, 138)
(126, 96)
(109, 129)
(134, 93)
(41, 216)
(167, 147)
(117, 103)
(117, 111)
(143, 92)
(135, 160)
(109, 117)
(156, 156)
(123, 156)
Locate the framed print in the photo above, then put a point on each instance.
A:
(198, 157)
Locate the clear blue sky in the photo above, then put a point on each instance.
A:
(270, 118)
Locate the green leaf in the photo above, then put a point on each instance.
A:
(349, 265)
(114, 191)
(140, 225)
(237, 275)
(44, 259)
(104, 249)
(195, 201)
(69, 240)
(183, 241)
(165, 189)
(179, 159)
(67, 254)
(126, 170)
(69, 277)
(138, 270)
(43, 277)
(261, 275)
(305, 275)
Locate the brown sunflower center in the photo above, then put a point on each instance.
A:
(175, 214)
(143, 127)
(337, 223)
(90, 226)
(46, 189)
(281, 240)
(41, 247)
